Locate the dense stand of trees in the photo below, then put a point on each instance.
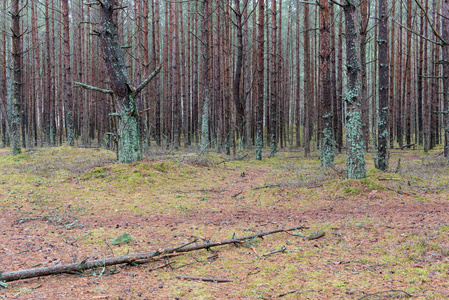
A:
(354, 75)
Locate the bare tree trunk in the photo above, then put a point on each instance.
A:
(308, 92)
(68, 75)
(355, 157)
(445, 63)
(327, 144)
(408, 65)
(260, 81)
(382, 150)
(17, 77)
(274, 82)
(364, 92)
(206, 93)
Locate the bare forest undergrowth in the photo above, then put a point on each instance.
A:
(384, 237)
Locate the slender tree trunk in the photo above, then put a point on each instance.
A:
(274, 82)
(355, 157)
(206, 77)
(156, 61)
(239, 104)
(339, 108)
(445, 63)
(308, 92)
(17, 77)
(392, 89)
(327, 143)
(363, 65)
(382, 150)
(68, 75)
(408, 65)
(260, 81)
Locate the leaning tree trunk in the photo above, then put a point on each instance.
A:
(129, 148)
(355, 156)
(124, 94)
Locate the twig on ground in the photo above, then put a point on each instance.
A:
(382, 292)
(315, 236)
(203, 279)
(268, 186)
(287, 293)
(236, 194)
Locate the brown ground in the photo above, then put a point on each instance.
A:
(376, 241)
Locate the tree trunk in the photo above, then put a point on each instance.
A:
(260, 81)
(445, 63)
(129, 148)
(327, 142)
(308, 92)
(17, 77)
(382, 162)
(355, 157)
(67, 74)
(206, 95)
(274, 82)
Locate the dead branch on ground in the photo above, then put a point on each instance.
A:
(382, 292)
(129, 259)
(203, 279)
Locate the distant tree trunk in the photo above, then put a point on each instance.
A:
(67, 74)
(308, 92)
(175, 58)
(298, 82)
(399, 87)
(364, 93)
(239, 104)
(206, 77)
(392, 89)
(3, 101)
(339, 108)
(408, 66)
(327, 144)
(17, 77)
(445, 61)
(274, 83)
(156, 61)
(355, 157)
(260, 81)
(382, 162)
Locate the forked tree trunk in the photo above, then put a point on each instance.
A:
(355, 156)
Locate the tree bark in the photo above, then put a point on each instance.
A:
(327, 142)
(68, 75)
(17, 78)
(355, 156)
(260, 81)
(382, 150)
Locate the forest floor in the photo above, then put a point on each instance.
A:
(385, 237)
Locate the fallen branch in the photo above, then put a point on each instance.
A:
(408, 146)
(315, 236)
(287, 293)
(203, 279)
(382, 292)
(268, 186)
(128, 259)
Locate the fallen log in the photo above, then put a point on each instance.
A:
(128, 259)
